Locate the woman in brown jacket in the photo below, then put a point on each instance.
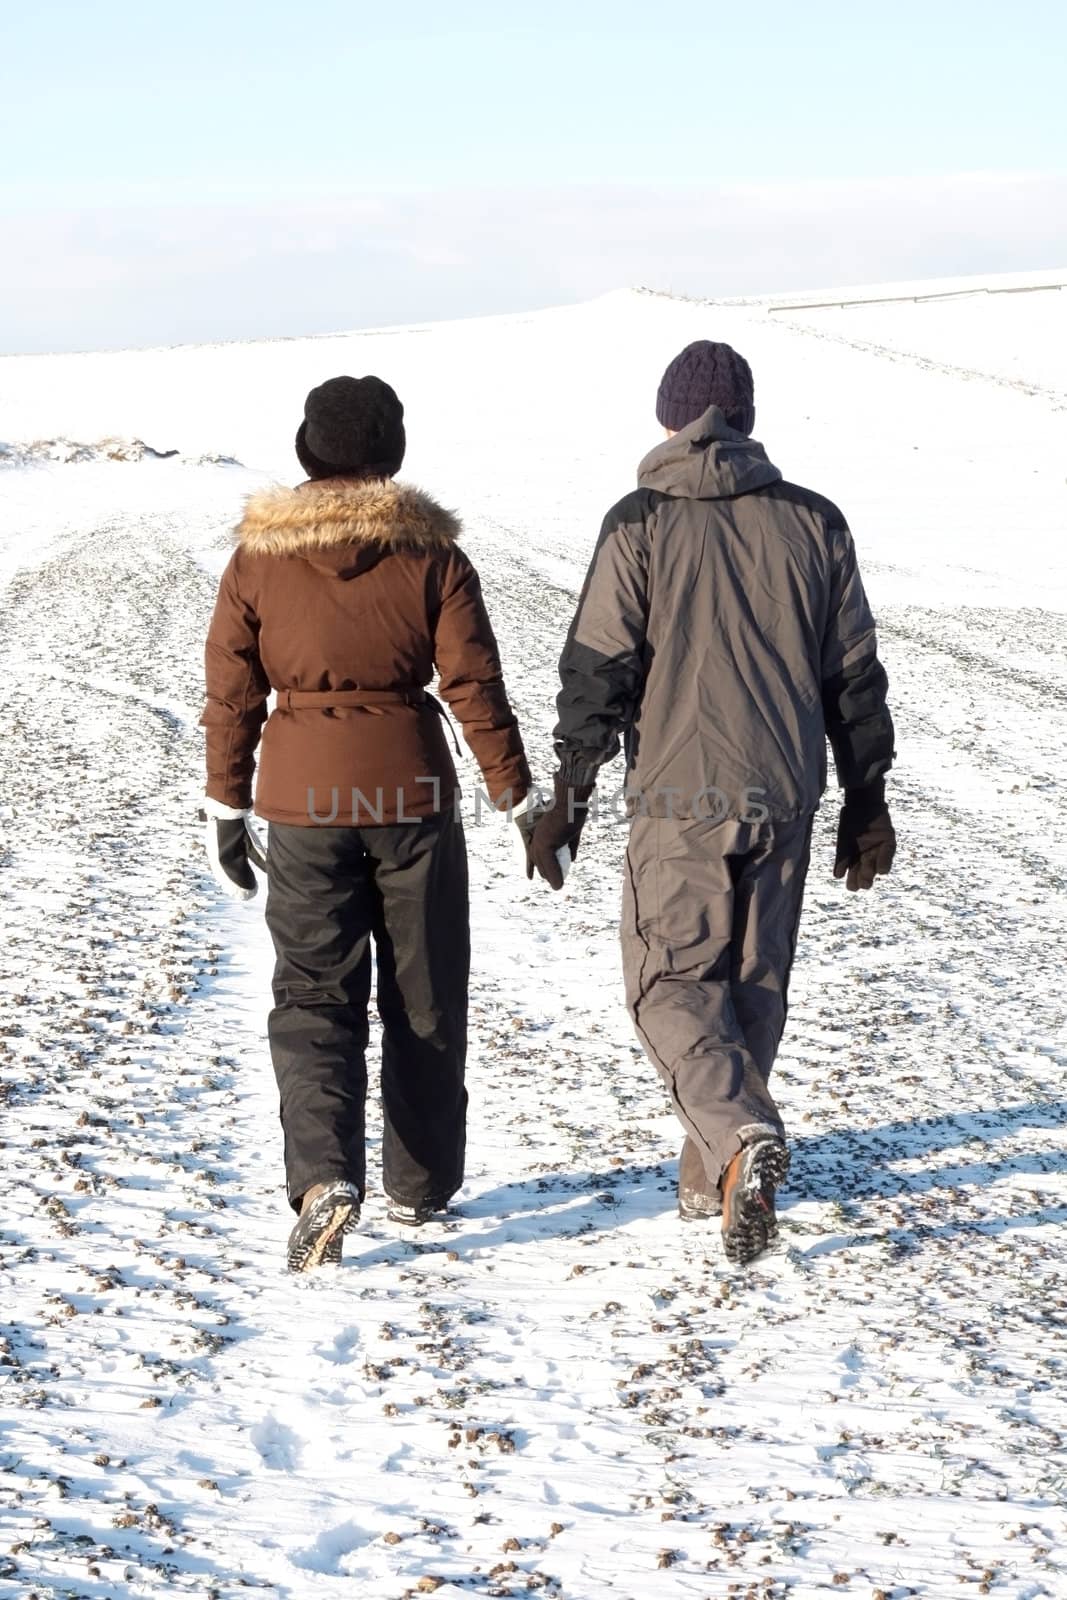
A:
(344, 596)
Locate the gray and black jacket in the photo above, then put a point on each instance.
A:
(723, 633)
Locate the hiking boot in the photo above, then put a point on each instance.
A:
(414, 1216)
(327, 1212)
(749, 1224)
(698, 1199)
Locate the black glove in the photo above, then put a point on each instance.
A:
(866, 843)
(559, 827)
(231, 847)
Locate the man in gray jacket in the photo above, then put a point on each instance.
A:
(724, 633)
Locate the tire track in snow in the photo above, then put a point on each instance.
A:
(1055, 397)
(119, 1127)
(983, 642)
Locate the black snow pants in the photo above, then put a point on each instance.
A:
(332, 892)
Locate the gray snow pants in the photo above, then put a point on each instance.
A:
(709, 930)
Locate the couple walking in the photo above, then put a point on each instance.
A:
(722, 635)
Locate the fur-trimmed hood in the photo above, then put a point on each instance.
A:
(335, 514)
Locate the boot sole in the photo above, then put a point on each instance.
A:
(753, 1226)
(322, 1241)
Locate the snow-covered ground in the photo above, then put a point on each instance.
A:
(559, 1388)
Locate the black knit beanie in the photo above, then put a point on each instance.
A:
(352, 427)
(705, 375)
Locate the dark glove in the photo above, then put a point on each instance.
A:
(559, 827)
(231, 848)
(866, 843)
(525, 816)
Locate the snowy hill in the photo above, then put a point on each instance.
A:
(559, 1388)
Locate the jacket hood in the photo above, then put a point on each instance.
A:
(709, 460)
(345, 525)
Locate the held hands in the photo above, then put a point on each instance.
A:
(551, 833)
(232, 847)
(525, 816)
(866, 842)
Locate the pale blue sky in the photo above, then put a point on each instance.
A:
(376, 163)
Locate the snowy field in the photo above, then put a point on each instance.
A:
(559, 1388)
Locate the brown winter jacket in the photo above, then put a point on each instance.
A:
(344, 595)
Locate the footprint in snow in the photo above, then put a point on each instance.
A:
(341, 1348)
(327, 1553)
(278, 1445)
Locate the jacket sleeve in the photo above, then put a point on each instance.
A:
(602, 668)
(854, 683)
(237, 690)
(472, 683)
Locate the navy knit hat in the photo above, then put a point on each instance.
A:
(705, 375)
(352, 427)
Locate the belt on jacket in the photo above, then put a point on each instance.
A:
(323, 699)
